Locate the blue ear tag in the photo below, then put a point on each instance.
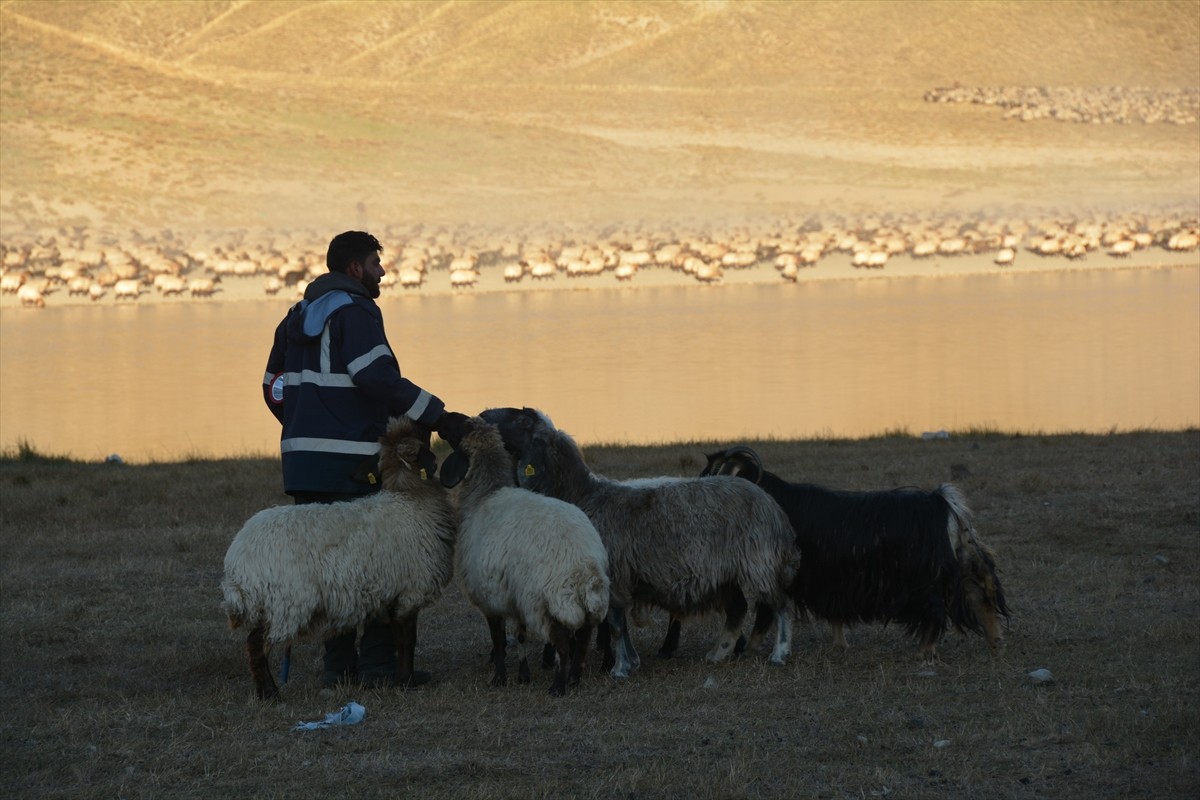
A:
(529, 471)
(277, 384)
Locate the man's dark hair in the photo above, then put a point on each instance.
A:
(348, 247)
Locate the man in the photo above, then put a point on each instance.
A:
(333, 381)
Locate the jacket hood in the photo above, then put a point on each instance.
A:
(325, 295)
(332, 282)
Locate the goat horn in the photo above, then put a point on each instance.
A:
(747, 453)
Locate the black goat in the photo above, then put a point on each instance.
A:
(904, 555)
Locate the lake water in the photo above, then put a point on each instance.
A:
(1074, 351)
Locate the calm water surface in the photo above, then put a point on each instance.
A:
(1078, 351)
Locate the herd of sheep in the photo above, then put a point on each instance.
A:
(122, 268)
(1100, 106)
(542, 545)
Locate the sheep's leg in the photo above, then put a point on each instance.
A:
(623, 664)
(783, 636)
(604, 645)
(499, 643)
(405, 632)
(260, 670)
(579, 648)
(764, 615)
(523, 675)
(560, 637)
(671, 642)
(735, 614)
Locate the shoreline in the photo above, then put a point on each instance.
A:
(833, 267)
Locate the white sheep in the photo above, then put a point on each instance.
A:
(314, 571)
(524, 556)
(31, 295)
(127, 287)
(203, 287)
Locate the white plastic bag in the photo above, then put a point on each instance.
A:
(350, 714)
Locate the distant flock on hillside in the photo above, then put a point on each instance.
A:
(1105, 106)
(123, 267)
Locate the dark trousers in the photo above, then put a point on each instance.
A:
(376, 651)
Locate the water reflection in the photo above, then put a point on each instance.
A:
(1086, 351)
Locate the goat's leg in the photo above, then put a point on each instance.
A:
(623, 664)
(499, 645)
(735, 614)
(260, 669)
(764, 616)
(631, 653)
(929, 643)
(783, 635)
(671, 642)
(560, 638)
(839, 635)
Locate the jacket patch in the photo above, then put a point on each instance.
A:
(276, 393)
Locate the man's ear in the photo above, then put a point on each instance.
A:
(354, 270)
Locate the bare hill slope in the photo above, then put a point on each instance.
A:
(219, 112)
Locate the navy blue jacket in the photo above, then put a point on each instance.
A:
(333, 381)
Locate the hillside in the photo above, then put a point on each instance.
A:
(218, 113)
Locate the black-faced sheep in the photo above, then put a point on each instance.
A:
(523, 556)
(903, 555)
(313, 571)
(687, 545)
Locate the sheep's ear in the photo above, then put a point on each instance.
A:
(528, 472)
(454, 469)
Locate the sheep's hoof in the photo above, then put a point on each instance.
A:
(557, 689)
(523, 671)
(499, 679)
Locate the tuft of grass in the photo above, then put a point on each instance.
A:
(26, 453)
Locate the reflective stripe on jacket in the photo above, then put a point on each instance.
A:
(333, 369)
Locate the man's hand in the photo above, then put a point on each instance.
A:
(451, 426)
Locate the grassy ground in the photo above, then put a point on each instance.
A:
(120, 678)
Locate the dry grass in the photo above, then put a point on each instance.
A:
(120, 678)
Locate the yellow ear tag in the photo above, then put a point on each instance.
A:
(371, 478)
(424, 476)
(529, 471)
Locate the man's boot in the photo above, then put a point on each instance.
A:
(377, 657)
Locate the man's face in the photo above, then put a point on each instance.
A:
(367, 272)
